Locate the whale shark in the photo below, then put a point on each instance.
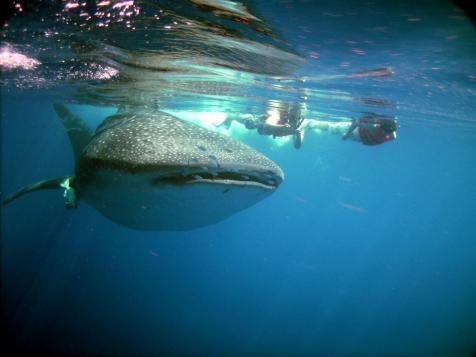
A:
(149, 170)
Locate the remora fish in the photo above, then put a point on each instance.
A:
(153, 171)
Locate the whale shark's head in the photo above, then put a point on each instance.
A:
(153, 171)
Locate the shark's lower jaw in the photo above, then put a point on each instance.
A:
(266, 181)
(226, 182)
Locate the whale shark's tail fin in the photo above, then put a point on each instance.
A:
(78, 132)
(60, 182)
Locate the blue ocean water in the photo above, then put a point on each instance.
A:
(363, 250)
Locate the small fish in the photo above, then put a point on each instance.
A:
(353, 208)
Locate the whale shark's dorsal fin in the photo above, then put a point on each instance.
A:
(60, 182)
(78, 132)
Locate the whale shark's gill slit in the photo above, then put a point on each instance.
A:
(216, 177)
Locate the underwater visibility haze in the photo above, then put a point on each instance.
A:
(213, 177)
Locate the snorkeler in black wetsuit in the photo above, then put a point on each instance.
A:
(288, 123)
(372, 129)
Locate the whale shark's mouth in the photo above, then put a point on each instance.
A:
(183, 175)
(264, 180)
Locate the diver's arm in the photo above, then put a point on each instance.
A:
(350, 130)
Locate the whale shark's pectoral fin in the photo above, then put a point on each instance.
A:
(60, 182)
(78, 132)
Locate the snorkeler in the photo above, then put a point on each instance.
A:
(286, 122)
(372, 129)
(278, 122)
